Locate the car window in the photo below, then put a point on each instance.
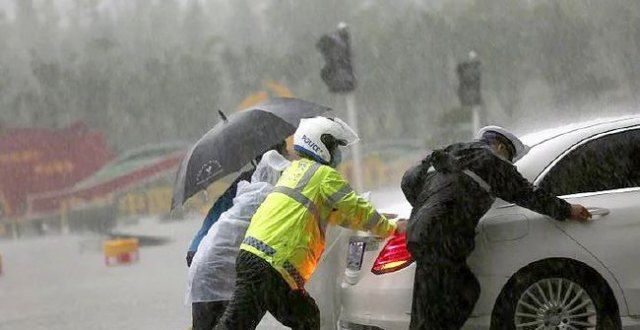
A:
(609, 162)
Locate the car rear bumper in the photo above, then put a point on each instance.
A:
(383, 301)
(377, 302)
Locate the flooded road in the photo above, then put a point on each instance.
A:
(61, 282)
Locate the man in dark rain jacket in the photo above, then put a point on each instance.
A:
(450, 191)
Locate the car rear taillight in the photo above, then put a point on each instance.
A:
(394, 256)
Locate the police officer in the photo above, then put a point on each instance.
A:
(285, 239)
(450, 191)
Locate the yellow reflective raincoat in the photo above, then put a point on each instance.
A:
(288, 228)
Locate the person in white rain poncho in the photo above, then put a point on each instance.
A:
(212, 274)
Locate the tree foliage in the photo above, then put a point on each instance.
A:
(151, 71)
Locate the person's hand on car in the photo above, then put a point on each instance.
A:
(579, 213)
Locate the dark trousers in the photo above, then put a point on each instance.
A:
(260, 289)
(205, 315)
(443, 295)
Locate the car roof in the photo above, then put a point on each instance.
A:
(586, 127)
(548, 144)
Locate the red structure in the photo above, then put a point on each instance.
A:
(35, 160)
(48, 203)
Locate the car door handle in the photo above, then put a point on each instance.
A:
(599, 211)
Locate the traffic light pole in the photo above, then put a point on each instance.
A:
(338, 74)
(475, 121)
(469, 91)
(356, 167)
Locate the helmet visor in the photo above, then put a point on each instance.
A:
(347, 136)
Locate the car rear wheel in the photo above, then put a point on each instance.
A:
(556, 294)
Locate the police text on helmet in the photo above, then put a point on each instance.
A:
(311, 144)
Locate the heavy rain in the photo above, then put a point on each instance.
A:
(169, 164)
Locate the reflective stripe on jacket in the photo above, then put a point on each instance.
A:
(288, 228)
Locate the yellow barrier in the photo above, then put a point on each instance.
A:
(121, 251)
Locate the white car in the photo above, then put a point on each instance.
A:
(535, 272)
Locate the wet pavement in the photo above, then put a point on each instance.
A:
(61, 282)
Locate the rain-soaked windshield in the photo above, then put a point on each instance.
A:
(131, 133)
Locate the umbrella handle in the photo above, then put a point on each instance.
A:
(222, 115)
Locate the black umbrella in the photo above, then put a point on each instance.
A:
(235, 141)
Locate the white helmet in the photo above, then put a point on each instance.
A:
(520, 148)
(316, 137)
